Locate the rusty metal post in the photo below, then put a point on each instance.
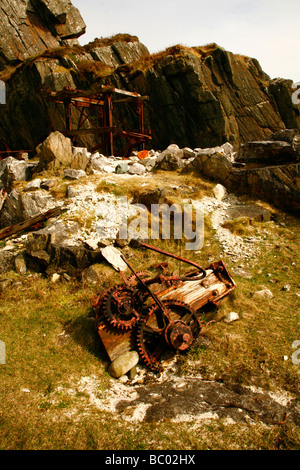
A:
(110, 122)
(140, 113)
(68, 111)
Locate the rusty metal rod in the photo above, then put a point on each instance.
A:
(154, 297)
(179, 258)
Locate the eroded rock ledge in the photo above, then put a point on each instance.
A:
(28, 27)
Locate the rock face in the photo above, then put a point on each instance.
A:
(275, 184)
(203, 97)
(282, 148)
(198, 97)
(28, 27)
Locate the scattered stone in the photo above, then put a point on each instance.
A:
(81, 150)
(242, 273)
(170, 160)
(63, 338)
(80, 161)
(132, 373)
(55, 277)
(253, 212)
(48, 184)
(149, 162)
(263, 294)
(123, 364)
(137, 169)
(5, 284)
(72, 174)
(108, 169)
(20, 264)
(230, 317)
(113, 256)
(32, 185)
(92, 243)
(123, 379)
(12, 170)
(121, 168)
(219, 192)
(92, 275)
(188, 153)
(286, 287)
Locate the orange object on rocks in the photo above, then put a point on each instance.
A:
(143, 154)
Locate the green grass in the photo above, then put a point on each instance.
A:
(51, 344)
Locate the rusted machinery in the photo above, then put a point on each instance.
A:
(150, 314)
(98, 107)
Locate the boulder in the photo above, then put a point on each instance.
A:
(7, 258)
(20, 264)
(71, 174)
(122, 364)
(170, 159)
(257, 213)
(291, 136)
(11, 170)
(263, 294)
(80, 161)
(136, 169)
(270, 152)
(32, 185)
(121, 168)
(274, 184)
(92, 275)
(113, 257)
(219, 192)
(19, 206)
(215, 166)
(55, 152)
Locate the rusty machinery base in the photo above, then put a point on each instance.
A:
(154, 314)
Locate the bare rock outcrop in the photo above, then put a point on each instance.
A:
(28, 27)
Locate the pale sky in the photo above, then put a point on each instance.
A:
(265, 29)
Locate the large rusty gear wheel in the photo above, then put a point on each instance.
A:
(176, 325)
(121, 306)
(97, 304)
(133, 279)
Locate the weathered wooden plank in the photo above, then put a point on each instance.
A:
(28, 223)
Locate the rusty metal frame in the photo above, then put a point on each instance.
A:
(104, 101)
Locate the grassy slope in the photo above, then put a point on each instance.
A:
(36, 410)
